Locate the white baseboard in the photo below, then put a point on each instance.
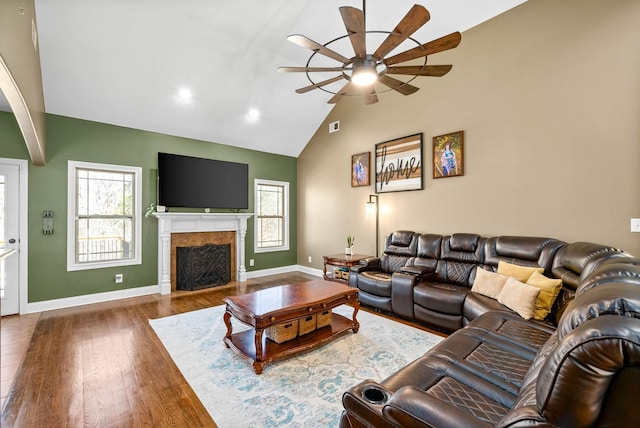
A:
(68, 302)
(283, 269)
(310, 271)
(88, 299)
(273, 271)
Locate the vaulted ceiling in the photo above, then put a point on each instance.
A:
(124, 62)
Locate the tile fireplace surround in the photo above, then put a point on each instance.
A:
(169, 223)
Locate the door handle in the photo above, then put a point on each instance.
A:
(12, 241)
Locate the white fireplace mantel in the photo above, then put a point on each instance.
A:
(169, 223)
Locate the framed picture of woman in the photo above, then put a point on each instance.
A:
(448, 155)
(360, 169)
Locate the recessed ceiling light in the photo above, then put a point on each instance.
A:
(185, 94)
(253, 114)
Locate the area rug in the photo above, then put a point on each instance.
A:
(301, 391)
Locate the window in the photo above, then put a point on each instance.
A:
(272, 215)
(104, 216)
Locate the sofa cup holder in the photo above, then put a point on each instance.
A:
(374, 395)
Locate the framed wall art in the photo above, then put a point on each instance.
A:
(448, 155)
(360, 169)
(399, 164)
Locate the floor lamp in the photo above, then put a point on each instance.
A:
(374, 206)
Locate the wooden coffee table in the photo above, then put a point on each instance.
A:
(277, 305)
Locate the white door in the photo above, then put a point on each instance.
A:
(9, 238)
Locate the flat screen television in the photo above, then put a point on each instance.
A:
(190, 182)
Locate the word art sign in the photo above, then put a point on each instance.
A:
(399, 164)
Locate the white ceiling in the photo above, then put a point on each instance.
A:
(122, 62)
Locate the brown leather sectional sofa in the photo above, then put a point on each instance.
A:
(578, 367)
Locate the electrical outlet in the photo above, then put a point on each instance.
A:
(118, 279)
(635, 224)
(251, 262)
(309, 259)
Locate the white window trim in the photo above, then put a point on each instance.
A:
(71, 210)
(285, 184)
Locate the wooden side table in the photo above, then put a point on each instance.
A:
(341, 260)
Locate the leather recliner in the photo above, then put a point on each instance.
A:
(574, 262)
(527, 251)
(373, 275)
(438, 297)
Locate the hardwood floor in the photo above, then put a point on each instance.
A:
(15, 336)
(102, 365)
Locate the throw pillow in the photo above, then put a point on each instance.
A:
(519, 297)
(521, 273)
(549, 289)
(488, 283)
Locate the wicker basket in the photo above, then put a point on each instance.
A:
(282, 332)
(307, 325)
(324, 319)
(341, 273)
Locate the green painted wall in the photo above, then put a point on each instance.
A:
(79, 140)
(11, 142)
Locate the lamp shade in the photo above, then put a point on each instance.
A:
(370, 211)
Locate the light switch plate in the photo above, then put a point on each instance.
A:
(635, 224)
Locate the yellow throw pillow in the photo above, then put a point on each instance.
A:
(521, 273)
(519, 297)
(488, 283)
(549, 290)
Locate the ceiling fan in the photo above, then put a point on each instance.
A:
(364, 70)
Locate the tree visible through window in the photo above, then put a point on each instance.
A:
(272, 219)
(106, 215)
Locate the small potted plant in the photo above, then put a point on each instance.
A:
(152, 208)
(350, 241)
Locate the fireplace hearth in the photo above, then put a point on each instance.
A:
(173, 226)
(203, 266)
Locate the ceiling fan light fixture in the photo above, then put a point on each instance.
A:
(185, 94)
(364, 74)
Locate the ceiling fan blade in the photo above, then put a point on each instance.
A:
(354, 23)
(442, 44)
(338, 96)
(307, 69)
(398, 85)
(319, 84)
(368, 93)
(413, 20)
(420, 70)
(305, 42)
